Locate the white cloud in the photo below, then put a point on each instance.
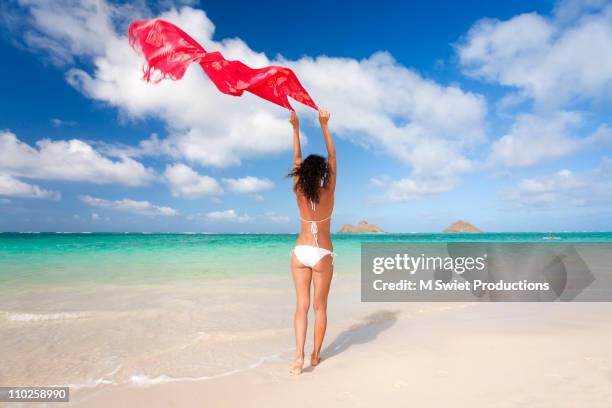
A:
(185, 182)
(556, 62)
(428, 177)
(605, 168)
(129, 205)
(276, 218)
(564, 189)
(232, 216)
(69, 28)
(59, 122)
(375, 102)
(248, 184)
(227, 216)
(72, 160)
(568, 10)
(10, 186)
(408, 189)
(553, 60)
(95, 216)
(534, 139)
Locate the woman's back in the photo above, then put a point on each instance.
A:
(320, 213)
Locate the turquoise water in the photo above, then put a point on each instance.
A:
(119, 257)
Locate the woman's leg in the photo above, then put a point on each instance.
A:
(322, 277)
(301, 278)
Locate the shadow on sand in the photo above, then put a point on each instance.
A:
(360, 333)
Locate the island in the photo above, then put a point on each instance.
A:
(461, 226)
(362, 227)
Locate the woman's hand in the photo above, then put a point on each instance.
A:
(323, 117)
(295, 122)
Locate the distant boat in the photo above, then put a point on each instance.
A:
(550, 236)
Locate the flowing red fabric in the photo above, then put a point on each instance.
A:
(168, 51)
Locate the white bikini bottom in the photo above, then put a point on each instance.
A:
(310, 255)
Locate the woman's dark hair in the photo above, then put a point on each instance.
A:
(312, 174)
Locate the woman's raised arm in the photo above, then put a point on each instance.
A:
(329, 143)
(297, 150)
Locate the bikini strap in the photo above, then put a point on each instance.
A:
(324, 219)
(314, 229)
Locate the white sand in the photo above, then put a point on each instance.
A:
(410, 355)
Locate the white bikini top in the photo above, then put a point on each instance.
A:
(314, 230)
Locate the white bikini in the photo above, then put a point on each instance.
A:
(310, 255)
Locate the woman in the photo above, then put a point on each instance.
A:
(314, 183)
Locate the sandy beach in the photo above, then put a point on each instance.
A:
(478, 355)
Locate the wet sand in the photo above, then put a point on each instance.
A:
(429, 355)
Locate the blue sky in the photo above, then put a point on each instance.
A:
(493, 112)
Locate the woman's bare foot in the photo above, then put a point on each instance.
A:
(315, 359)
(297, 366)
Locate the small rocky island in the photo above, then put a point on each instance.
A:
(461, 226)
(362, 227)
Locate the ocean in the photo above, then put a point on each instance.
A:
(60, 258)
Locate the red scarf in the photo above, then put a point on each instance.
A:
(168, 51)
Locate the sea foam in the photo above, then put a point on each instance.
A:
(144, 380)
(39, 317)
